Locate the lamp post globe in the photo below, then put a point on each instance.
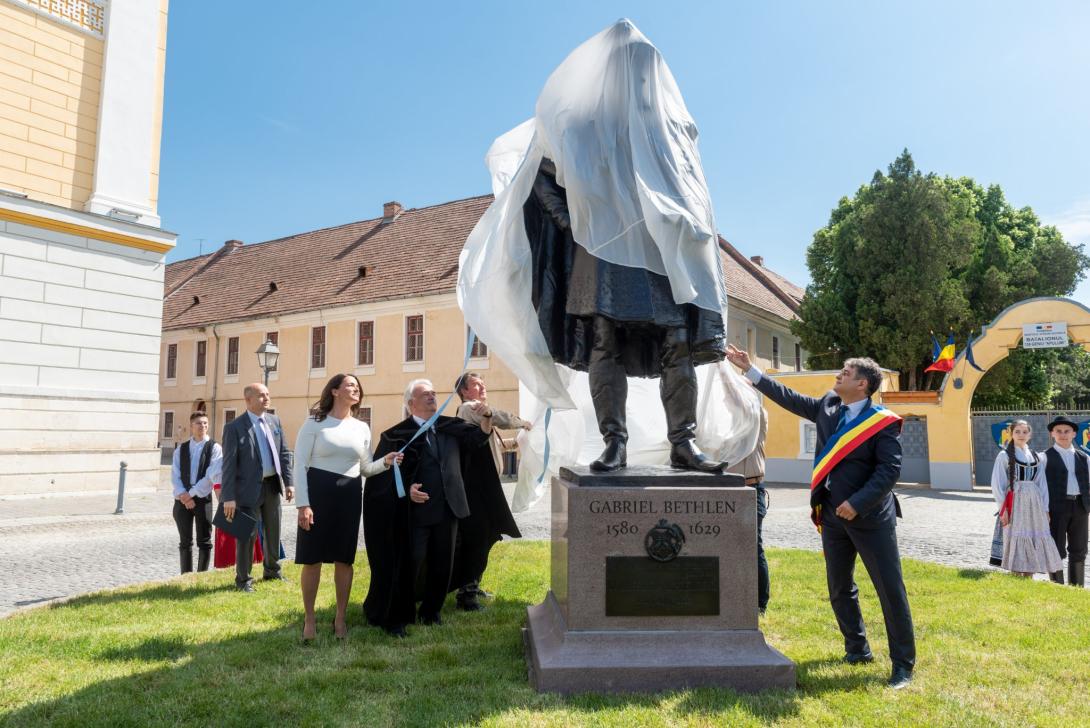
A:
(267, 355)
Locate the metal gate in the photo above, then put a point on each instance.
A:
(915, 466)
(985, 447)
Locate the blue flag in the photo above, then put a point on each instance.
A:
(969, 353)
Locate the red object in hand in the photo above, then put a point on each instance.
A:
(225, 547)
(1008, 504)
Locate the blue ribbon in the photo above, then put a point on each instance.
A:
(545, 465)
(398, 482)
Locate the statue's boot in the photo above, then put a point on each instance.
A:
(678, 390)
(1076, 573)
(609, 392)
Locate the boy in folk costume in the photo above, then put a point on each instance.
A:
(1019, 488)
(1066, 473)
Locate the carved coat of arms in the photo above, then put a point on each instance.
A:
(664, 541)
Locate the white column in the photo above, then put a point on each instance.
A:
(122, 183)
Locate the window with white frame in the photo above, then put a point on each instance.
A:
(775, 352)
(232, 356)
(273, 337)
(168, 424)
(807, 439)
(364, 415)
(172, 361)
(798, 357)
(201, 358)
(317, 347)
(228, 416)
(365, 344)
(414, 338)
(480, 349)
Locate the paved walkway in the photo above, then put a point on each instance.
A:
(53, 548)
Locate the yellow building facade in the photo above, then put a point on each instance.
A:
(296, 385)
(81, 249)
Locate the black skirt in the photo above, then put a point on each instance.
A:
(337, 502)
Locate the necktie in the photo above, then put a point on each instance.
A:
(272, 445)
(841, 418)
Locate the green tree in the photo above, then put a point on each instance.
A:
(1037, 379)
(912, 252)
(884, 266)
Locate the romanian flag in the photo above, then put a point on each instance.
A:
(944, 362)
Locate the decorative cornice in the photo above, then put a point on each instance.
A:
(86, 16)
(83, 231)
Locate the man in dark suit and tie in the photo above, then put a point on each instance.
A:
(256, 472)
(857, 465)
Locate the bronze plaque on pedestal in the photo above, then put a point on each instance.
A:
(687, 586)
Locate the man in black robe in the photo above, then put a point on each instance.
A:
(412, 539)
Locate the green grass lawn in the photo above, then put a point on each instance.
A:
(993, 650)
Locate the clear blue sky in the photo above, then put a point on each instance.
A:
(282, 117)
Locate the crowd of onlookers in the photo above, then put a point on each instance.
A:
(427, 492)
(432, 504)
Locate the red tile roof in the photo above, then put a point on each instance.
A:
(415, 255)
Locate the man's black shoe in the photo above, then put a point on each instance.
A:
(858, 658)
(482, 594)
(247, 587)
(899, 678)
(398, 631)
(467, 602)
(431, 620)
(276, 577)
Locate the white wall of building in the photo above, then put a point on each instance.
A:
(80, 321)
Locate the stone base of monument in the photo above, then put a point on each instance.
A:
(654, 586)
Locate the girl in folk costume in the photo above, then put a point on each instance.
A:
(1020, 490)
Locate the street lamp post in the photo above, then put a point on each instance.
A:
(267, 354)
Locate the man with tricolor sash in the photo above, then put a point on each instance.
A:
(857, 462)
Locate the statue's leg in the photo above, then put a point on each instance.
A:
(609, 391)
(678, 390)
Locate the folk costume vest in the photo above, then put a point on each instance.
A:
(1056, 475)
(202, 462)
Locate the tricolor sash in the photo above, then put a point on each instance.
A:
(845, 440)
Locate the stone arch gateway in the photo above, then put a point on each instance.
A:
(949, 428)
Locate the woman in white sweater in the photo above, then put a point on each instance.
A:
(332, 456)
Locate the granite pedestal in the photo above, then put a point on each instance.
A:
(654, 586)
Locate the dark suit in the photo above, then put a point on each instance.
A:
(256, 495)
(865, 479)
(426, 530)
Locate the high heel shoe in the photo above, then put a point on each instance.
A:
(340, 635)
